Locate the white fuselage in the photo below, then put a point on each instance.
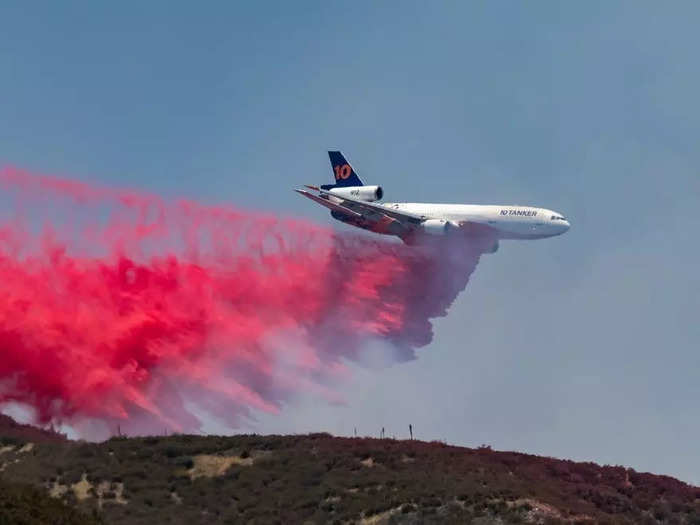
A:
(506, 222)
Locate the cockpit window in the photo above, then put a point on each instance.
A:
(558, 218)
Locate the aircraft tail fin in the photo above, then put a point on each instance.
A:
(343, 172)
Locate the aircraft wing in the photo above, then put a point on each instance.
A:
(408, 220)
(387, 219)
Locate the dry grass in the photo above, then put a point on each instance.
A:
(369, 462)
(209, 466)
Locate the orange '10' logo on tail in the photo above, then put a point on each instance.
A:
(342, 172)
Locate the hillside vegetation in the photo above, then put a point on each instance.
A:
(27, 505)
(323, 479)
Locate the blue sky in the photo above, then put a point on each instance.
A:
(584, 346)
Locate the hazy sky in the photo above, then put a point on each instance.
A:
(585, 346)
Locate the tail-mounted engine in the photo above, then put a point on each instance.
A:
(362, 193)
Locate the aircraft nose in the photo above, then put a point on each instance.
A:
(566, 225)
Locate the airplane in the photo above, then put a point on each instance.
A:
(352, 202)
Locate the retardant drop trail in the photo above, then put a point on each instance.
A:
(126, 308)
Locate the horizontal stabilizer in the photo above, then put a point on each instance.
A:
(330, 205)
(399, 215)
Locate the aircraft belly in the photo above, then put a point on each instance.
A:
(376, 223)
(505, 229)
(522, 236)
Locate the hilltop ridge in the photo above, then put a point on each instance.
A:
(10, 429)
(318, 478)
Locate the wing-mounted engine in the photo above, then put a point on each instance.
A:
(437, 226)
(363, 193)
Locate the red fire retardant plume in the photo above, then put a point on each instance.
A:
(129, 309)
